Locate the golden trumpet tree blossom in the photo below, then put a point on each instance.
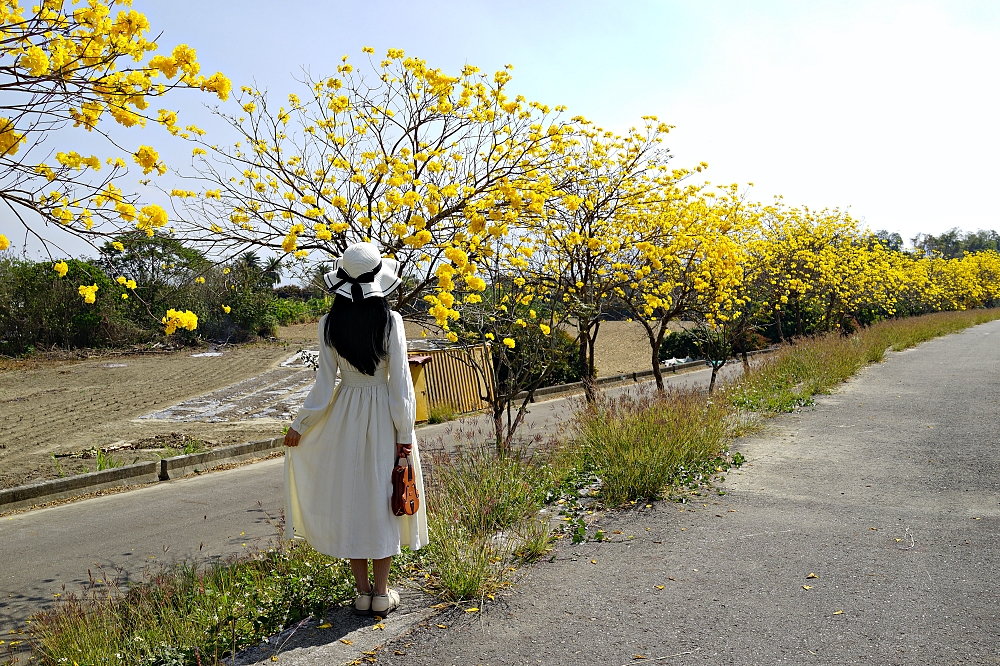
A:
(427, 165)
(603, 179)
(688, 263)
(83, 65)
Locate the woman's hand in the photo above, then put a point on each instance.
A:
(292, 437)
(403, 450)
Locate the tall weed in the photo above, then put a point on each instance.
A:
(640, 446)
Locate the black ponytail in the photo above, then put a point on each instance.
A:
(359, 331)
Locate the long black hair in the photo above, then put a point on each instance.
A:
(359, 331)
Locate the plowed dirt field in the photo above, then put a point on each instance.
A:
(54, 415)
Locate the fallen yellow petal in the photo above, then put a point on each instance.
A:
(442, 626)
(325, 625)
(659, 587)
(378, 627)
(807, 587)
(638, 656)
(593, 561)
(471, 610)
(812, 575)
(274, 658)
(898, 540)
(347, 641)
(840, 612)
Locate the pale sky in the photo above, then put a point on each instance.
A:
(888, 108)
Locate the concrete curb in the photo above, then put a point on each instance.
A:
(23, 497)
(46, 491)
(178, 466)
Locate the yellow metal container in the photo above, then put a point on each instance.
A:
(417, 365)
(452, 380)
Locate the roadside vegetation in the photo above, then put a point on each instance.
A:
(491, 510)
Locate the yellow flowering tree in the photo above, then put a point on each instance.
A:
(424, 164)
(69, 65)
(513, 308)
(687, 261)
(602, 181)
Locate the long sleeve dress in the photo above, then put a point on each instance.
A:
(338, 480)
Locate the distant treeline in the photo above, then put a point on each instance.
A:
(951, 244)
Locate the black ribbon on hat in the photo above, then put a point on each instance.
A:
(357, 293)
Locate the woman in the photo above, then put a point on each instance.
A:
(338, 484)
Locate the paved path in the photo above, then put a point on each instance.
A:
(888, 491)
(208, 516)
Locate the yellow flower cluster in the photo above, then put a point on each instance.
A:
(149, 160)
(4, 243)
(179, 319)
(10, 139)
(89, 293)
(97, 55)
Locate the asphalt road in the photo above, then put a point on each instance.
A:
(888, 491)
(47, 552)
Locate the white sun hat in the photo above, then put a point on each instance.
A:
(362, 272)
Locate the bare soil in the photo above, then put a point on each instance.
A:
(56, 411)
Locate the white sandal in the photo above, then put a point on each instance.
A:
(363, 602)
(383, 604)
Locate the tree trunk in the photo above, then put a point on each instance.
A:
(585, 364)
(777, 322)
(715, 372)
(591, 366)
(498, 429)
(657, 343)
(657, 371)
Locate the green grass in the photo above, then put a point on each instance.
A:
(441, 414)
(188, 614)
(789, 378)
(107, 461)
(484, 513)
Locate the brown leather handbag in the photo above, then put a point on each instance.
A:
(405, 499)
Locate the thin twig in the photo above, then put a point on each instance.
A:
(668, 656)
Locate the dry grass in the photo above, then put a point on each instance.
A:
(641, 446)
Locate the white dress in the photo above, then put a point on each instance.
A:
(338, 480)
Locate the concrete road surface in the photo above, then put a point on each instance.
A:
(209, 516)
(864, 531)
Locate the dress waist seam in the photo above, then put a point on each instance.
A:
(372, 385)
